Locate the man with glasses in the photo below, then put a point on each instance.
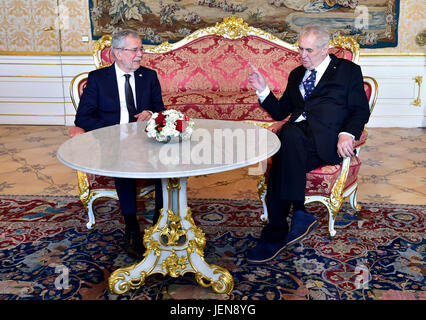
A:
(121, 93)
(328, 106)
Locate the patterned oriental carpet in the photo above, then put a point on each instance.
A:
(47, 253)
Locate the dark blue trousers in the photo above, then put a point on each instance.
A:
(287, 177)
(126, 190)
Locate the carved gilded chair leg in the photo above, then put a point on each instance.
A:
(99, 193)
(336, 196)
(85, 196)
(92, 220)
(353, 201)
(261, 190)
(332, 215)
(90, 210)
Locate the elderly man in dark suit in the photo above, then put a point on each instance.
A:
(108, 99)
(328, 106)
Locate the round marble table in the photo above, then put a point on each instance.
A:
(175, 245)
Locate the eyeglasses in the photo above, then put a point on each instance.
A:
(134, 50)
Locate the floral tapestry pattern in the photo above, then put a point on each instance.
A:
(373, 23)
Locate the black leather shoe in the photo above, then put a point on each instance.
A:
(301, 224)
(134, 244)
(265, 251)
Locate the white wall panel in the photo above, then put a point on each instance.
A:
(397, 90)
(31, 87)
(35, 90)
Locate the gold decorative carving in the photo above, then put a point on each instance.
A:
(124, 286)
(84, 188)
(174, 231)
(261, 124)
(173, 183)
(418, 102)
(98, 46)
(261, 186)
(173, 264)
(336, 196)
(231, 27)
(152, 246)
(421, 38)
(347, 42)
(224, 284)
(199, 241)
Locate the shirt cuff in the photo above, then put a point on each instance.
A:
(262, 95)
(347, 133)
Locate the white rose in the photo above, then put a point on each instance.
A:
(167, 131)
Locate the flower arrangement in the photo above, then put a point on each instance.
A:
(169, 125)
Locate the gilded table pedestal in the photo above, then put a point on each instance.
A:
(175, 246)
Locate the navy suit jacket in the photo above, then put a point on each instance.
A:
(100, 103)
(337, 104)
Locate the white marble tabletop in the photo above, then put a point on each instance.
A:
(126, 151)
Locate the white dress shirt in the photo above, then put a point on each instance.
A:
(121, 80)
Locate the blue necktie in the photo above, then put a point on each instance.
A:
(309, 83)
(130, 102)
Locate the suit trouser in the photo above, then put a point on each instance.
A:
(287, 177)
(126, 191)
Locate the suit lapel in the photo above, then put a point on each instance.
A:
(329, 72)
(138, 88)
(299, 77)
(112, 80)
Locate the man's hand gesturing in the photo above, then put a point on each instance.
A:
(256, 79)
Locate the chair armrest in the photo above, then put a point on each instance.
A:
(73, 131)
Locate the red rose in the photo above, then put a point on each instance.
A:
(160, 120)
(181, 125)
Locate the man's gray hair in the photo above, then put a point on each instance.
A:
(118, 40)
(321, 33)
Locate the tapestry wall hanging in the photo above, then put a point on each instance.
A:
(373, 23)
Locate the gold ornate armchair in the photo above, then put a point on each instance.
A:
(330, 184)
(91, 186)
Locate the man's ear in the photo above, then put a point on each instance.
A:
(325, 50)
(116, 54)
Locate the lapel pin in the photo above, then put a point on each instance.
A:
(140, 74)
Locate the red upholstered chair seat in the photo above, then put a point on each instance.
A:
(102, 182)
(321, 180)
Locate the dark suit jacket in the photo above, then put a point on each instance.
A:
(100, 103)
(337, 104)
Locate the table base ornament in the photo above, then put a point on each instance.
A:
(174, 247)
